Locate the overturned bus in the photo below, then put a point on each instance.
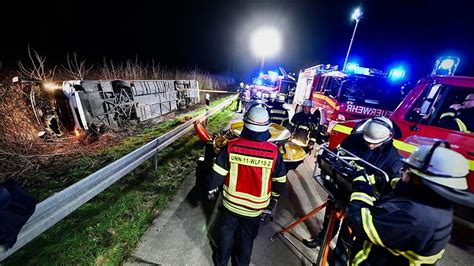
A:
(94, 105)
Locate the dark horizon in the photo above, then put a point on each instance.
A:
(213, 35)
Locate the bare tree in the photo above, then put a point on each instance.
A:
(76, 68)
(37, 69)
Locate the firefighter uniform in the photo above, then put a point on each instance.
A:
(461, 120)
(412, 225)
(252, 173)
(278, 114)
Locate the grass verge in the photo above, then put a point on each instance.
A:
(105, 230)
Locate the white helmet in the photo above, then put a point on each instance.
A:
(281, 99)
(308, 103)
(377, 130)
(241, 84)
(439, 165)
(257, 119)
(258, 94)
(273, 95)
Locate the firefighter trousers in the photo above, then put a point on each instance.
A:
(236, 236)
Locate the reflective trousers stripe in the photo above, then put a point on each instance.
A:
(369, 227)
(362, 254)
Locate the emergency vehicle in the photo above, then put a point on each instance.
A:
(416, 120)
(356, 93)
(274, 83)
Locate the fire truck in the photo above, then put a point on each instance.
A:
(274, 83)
(417, 118)
(356, 93)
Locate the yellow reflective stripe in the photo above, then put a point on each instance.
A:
(275, 111)
(363, 254)
(403, 146)
(281, 179)
(471, 165)
(250, 160)
(461, 125)
(343, 129)
(234, 170)
(371, 179)
(330, 101)
(277, 118)
(303, 127)
(360, 178)
(265, 181)
(219, 169)
(415, 259)
(276, 195)
(236, 209)
(394, 182)
(245, 202)
(447, 114)
(245, 195)
(363, 197)
(369, 227)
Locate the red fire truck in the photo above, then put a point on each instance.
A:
(417, 118)
(356, 93)
(274, 83)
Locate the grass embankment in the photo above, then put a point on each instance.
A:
(106, 229)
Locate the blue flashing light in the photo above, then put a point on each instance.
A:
(273, 75)
(362, 71)
(446, 65)
(397, 74)
(259, 82)
(351, 67)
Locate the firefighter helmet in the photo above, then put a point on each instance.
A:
(307, 103)
(241, 84)
(257, 118)
(280, 99)
(439, 165)
(377, 130)
(469, 101)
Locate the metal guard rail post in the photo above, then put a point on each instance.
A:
(61, 204)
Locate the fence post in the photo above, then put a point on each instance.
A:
(207, 102)
(155, 161)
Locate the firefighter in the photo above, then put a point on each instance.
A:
(241, 99)
(305, 117)
(412, 225)
(253, 176)
(460, 117)
(303, 127)
(278, 113)
(372, 140)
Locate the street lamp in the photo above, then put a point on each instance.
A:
(357, 15)
(265, 42)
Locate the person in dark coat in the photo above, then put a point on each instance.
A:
(373, 142)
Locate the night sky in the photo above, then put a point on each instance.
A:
(213, 35)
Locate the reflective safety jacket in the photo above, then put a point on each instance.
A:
(251, 172)
(278, 114)
(462, 120)
(412, 226)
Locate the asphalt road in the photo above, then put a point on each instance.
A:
(181, 235)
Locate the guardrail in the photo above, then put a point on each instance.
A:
(57, 207)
